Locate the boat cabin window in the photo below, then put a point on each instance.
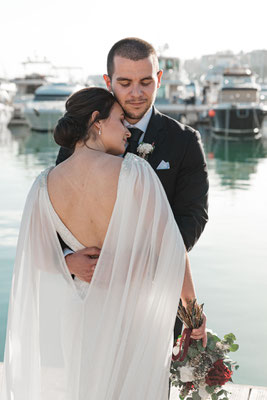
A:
(230, 81)
(49, 97)
(168, 63)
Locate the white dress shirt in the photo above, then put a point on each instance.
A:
(141, 124)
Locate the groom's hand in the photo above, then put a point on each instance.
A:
(82, 263)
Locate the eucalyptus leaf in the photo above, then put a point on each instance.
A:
(228, 364)
(216, 339)
(211, 345)
(234, 347)
(214, 396)
(210, 389)
(196, 396)
(230, 338)
(199, 345)
(192, 352)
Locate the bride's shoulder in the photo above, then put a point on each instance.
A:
(134, 162)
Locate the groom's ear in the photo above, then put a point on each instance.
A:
(108, 82)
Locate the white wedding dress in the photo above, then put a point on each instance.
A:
(110, 339)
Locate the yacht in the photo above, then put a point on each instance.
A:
(174, 79)
(37, 71)
(6, 108)
(48, 105)
(238, 113)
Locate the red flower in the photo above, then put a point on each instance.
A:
(218, 375)
(189, 385)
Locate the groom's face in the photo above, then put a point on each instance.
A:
(134, 84)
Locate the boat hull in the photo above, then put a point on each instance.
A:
(237, 122)
(43, 118)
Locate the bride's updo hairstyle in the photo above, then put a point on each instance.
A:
(75, 125)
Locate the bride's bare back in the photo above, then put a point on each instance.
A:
(83, 192)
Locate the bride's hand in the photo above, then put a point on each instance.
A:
(201, 333)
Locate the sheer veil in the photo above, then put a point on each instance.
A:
(115, 342)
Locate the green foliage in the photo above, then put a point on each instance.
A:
(214, 396)
(196, 396)
(234, 347)
(221, 392)
(228, 365)
(230, 338)
(210, 389)
(216, 339)
(211, 344)
(199, 346)
(192, 352)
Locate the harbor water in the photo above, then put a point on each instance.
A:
(229, 263)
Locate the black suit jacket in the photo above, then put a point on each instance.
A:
(185, 183)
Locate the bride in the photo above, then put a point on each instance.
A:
(110, 339)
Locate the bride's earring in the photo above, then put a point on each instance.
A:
(99, 132)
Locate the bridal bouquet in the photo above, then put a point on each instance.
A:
(200, 372)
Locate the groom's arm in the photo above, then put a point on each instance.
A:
(190, 205)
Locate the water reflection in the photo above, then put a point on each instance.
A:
(234, 162)
(34, 148)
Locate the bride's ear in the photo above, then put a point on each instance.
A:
(93, 118)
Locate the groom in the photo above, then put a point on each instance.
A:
(178, 158)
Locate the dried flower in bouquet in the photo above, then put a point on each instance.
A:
(192, 318)
(192, 314)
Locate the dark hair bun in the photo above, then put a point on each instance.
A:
(75, 125)
(69, 131)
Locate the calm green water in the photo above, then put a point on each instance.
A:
(229, 263)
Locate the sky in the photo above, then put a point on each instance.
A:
(80, 33)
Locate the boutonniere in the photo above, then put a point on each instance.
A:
(144, 149)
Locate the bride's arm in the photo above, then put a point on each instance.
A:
(188, 293)
(188, 290)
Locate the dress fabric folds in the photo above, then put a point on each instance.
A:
(110, 339)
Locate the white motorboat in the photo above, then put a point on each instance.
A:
(6, 108)
(36, 73)
(48, 105)
(238, 113)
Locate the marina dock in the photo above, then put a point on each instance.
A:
(238, 392)
(186, 113)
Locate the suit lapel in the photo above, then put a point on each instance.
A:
(155, 134)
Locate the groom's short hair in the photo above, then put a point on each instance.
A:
(132, 48)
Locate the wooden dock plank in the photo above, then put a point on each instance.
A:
(258, 393)
(237, 392)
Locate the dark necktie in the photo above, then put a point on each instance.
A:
(133, 140)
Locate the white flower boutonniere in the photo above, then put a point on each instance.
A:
(144, 149)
